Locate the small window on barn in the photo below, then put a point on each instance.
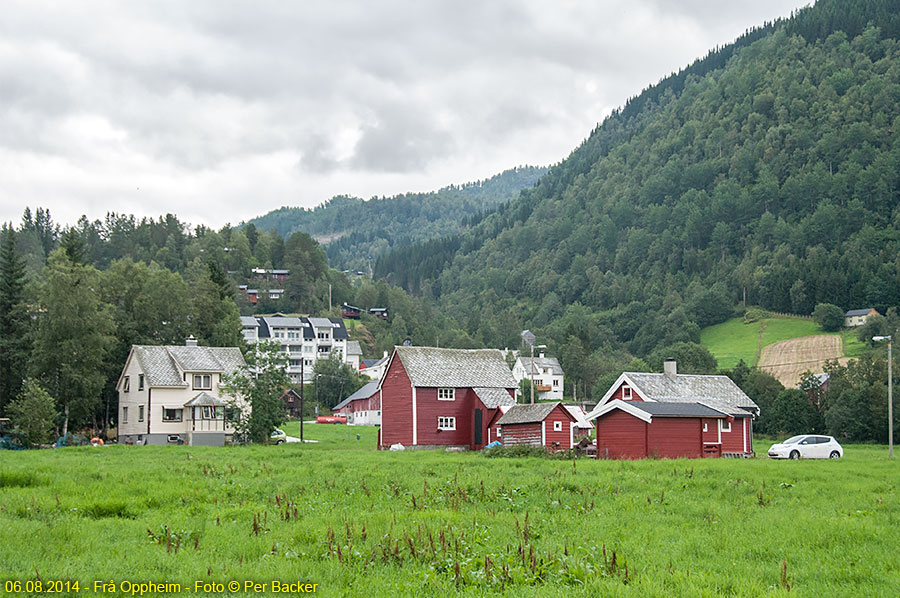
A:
(446, 394)
(626, 392)
(446, 423)
(499, 432)
(557, 426)
(706, 427)
(726, 426)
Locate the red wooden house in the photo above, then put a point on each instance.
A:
(363, 407)
(433, 397)
(549, 425)
(349, 312)
(693, 416)
(291, 401)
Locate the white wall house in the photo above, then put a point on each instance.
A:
(374, 368)
(173, 394)
(858, 317)
(304, 340)
(548, 376)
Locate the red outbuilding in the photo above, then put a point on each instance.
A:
(432, 397)
(549, 425)
(674, 415)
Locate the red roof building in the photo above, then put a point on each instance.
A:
(432, 397)
(548, 425)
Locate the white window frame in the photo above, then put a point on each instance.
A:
(556, 383)
(203, 384)
(140, 382)
(630, 395)
(499, 432)
(124, 415)
(705, 427)
(449, 394)
(447, 423)
(126, 384)
(726, 425)
(140, 413)
(180, 413)
(557, 426)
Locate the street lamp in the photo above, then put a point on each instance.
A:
(890, 341)
(529, 337)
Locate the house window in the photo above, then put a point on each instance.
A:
(499, 432)
(140, 382)
(446, 423)
(126, 384)
(202, 382)
(140, 413)
(124, 415)
(726, 426)
(705, 427)
(446, 394)
(557, 426)
(556, 383)
(626, 393)
(172, 415)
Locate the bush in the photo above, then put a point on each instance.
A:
(754, 314)
(525, 450)
(830, 317)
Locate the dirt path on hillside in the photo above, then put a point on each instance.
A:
(787, 360)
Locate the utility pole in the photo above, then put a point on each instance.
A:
(890, 342)
(302, 385)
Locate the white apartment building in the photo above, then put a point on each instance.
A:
(548, 375)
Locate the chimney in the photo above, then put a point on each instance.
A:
(190, 342)
(541, 355)
(670, 369)
(385, 355)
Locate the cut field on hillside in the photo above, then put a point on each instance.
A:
(428, 523)
(733, 340)
(788, 360)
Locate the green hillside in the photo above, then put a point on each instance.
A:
(354, 232)
(734, 340)
(768, 171)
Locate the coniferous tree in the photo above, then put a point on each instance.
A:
(14, 337)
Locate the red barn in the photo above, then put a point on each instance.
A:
(432, 397)
(549, 425)
(629, 426)
(363, 407)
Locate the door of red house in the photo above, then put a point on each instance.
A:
(478, 426)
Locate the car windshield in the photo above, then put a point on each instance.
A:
(793, 440)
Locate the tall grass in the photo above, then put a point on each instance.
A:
(362, 522)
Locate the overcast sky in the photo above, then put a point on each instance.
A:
(219, 111)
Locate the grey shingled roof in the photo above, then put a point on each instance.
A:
(541, 363)
(857, 312)
(163, 365)
(249, 322)
(494, 397)
(456, 368)
(529, 414)
(677, 409)
(321, 323)
(580, 416)
(363, 393)
(204, 398)
(353, 348)
(719, 392)
(282, 322)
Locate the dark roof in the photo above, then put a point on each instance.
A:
(529, 414)
(367, 363)
(340, 331)
(859, 312)
(678, 409)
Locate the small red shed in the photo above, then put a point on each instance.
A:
(638, 429)
(549, 425)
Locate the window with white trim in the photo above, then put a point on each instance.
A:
(556, 383)
(446, 423)
(499, 432)
(202, 382)
(446, 394)
(557, 426)
(126, 384)
(124, 415)
(726, 426)
(140, 382)
(705, 427)
(626, 392)
(172, 415)
(140, 413)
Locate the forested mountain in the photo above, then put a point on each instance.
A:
(767, 172)
(355, 232)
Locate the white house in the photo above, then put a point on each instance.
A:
(858, 317)
(548, 376)
(374, 368)
(304, 340)
(173, 394)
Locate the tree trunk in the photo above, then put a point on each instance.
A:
(65, 429)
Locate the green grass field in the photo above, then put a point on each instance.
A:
(361, 522)
(733, 340)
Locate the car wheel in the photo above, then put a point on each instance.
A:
(834, 455)
(279, 442)
(795, 455)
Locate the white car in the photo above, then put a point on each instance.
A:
(807, 446)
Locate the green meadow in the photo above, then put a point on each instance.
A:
(360, 522)
(734, 340)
